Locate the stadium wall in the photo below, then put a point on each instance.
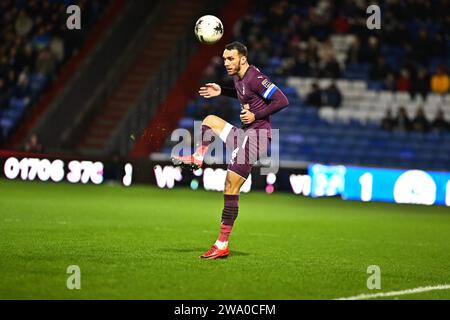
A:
(348, 182)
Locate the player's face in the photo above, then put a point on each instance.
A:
(232, 61)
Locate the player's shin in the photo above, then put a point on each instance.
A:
(207, 138)
(229, 215)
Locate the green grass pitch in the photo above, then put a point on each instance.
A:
(144, 243)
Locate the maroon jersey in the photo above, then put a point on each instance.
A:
(255, 89)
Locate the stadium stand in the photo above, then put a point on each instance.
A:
(403, 65)
(361, 76)
(35, 45)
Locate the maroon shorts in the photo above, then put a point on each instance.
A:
(247, 147)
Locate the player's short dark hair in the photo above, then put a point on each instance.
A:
(240, 47)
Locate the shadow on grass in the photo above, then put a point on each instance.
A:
(200, 251)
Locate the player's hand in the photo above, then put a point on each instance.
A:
(247, 116)
(210, 90)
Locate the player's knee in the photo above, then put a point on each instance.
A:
(230, 187)
(211, 121)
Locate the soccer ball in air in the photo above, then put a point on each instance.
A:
(208, 29)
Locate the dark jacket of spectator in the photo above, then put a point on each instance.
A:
(4, 94)
(388, 122)
(402, 121)
(331, 69)
(332, 96)
(439, 123)
(314, 98)
(380, 70)
(420, 122)
(421, 84)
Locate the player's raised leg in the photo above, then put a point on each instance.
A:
(233, 184)
(220, 127)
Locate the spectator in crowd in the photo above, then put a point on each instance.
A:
(301, 66)
(420, 122)
(33, 145)
(332, 96)
(421, 84)
(403, 83)
(4, 94)
(42, 39)
(23, 24)
(34, 44)
(325, 50)
(331, 68)
(57, 48)
(22, 89)
(380, 70)
(314, 98)
(371, 51)
(402, 121)
(313, 56)
(388, 122)
(341, 24)
(440, 81)
(389, 82)
(439, 123)
(354, 52)
(303, 31)
(45, 63)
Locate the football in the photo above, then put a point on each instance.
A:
(208, 29)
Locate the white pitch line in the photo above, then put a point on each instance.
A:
(397, 293)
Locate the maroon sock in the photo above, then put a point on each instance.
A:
(229, 215)
(202, 146)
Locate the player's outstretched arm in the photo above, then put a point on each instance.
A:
(210, 90)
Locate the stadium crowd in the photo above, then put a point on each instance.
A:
(293, 38)
(419, 123)
(34, 44)
(409, 52)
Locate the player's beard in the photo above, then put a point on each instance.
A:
(235, 71)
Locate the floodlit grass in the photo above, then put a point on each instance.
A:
(144, 243)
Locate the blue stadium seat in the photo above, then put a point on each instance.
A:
(18, 104)
(6, 124)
